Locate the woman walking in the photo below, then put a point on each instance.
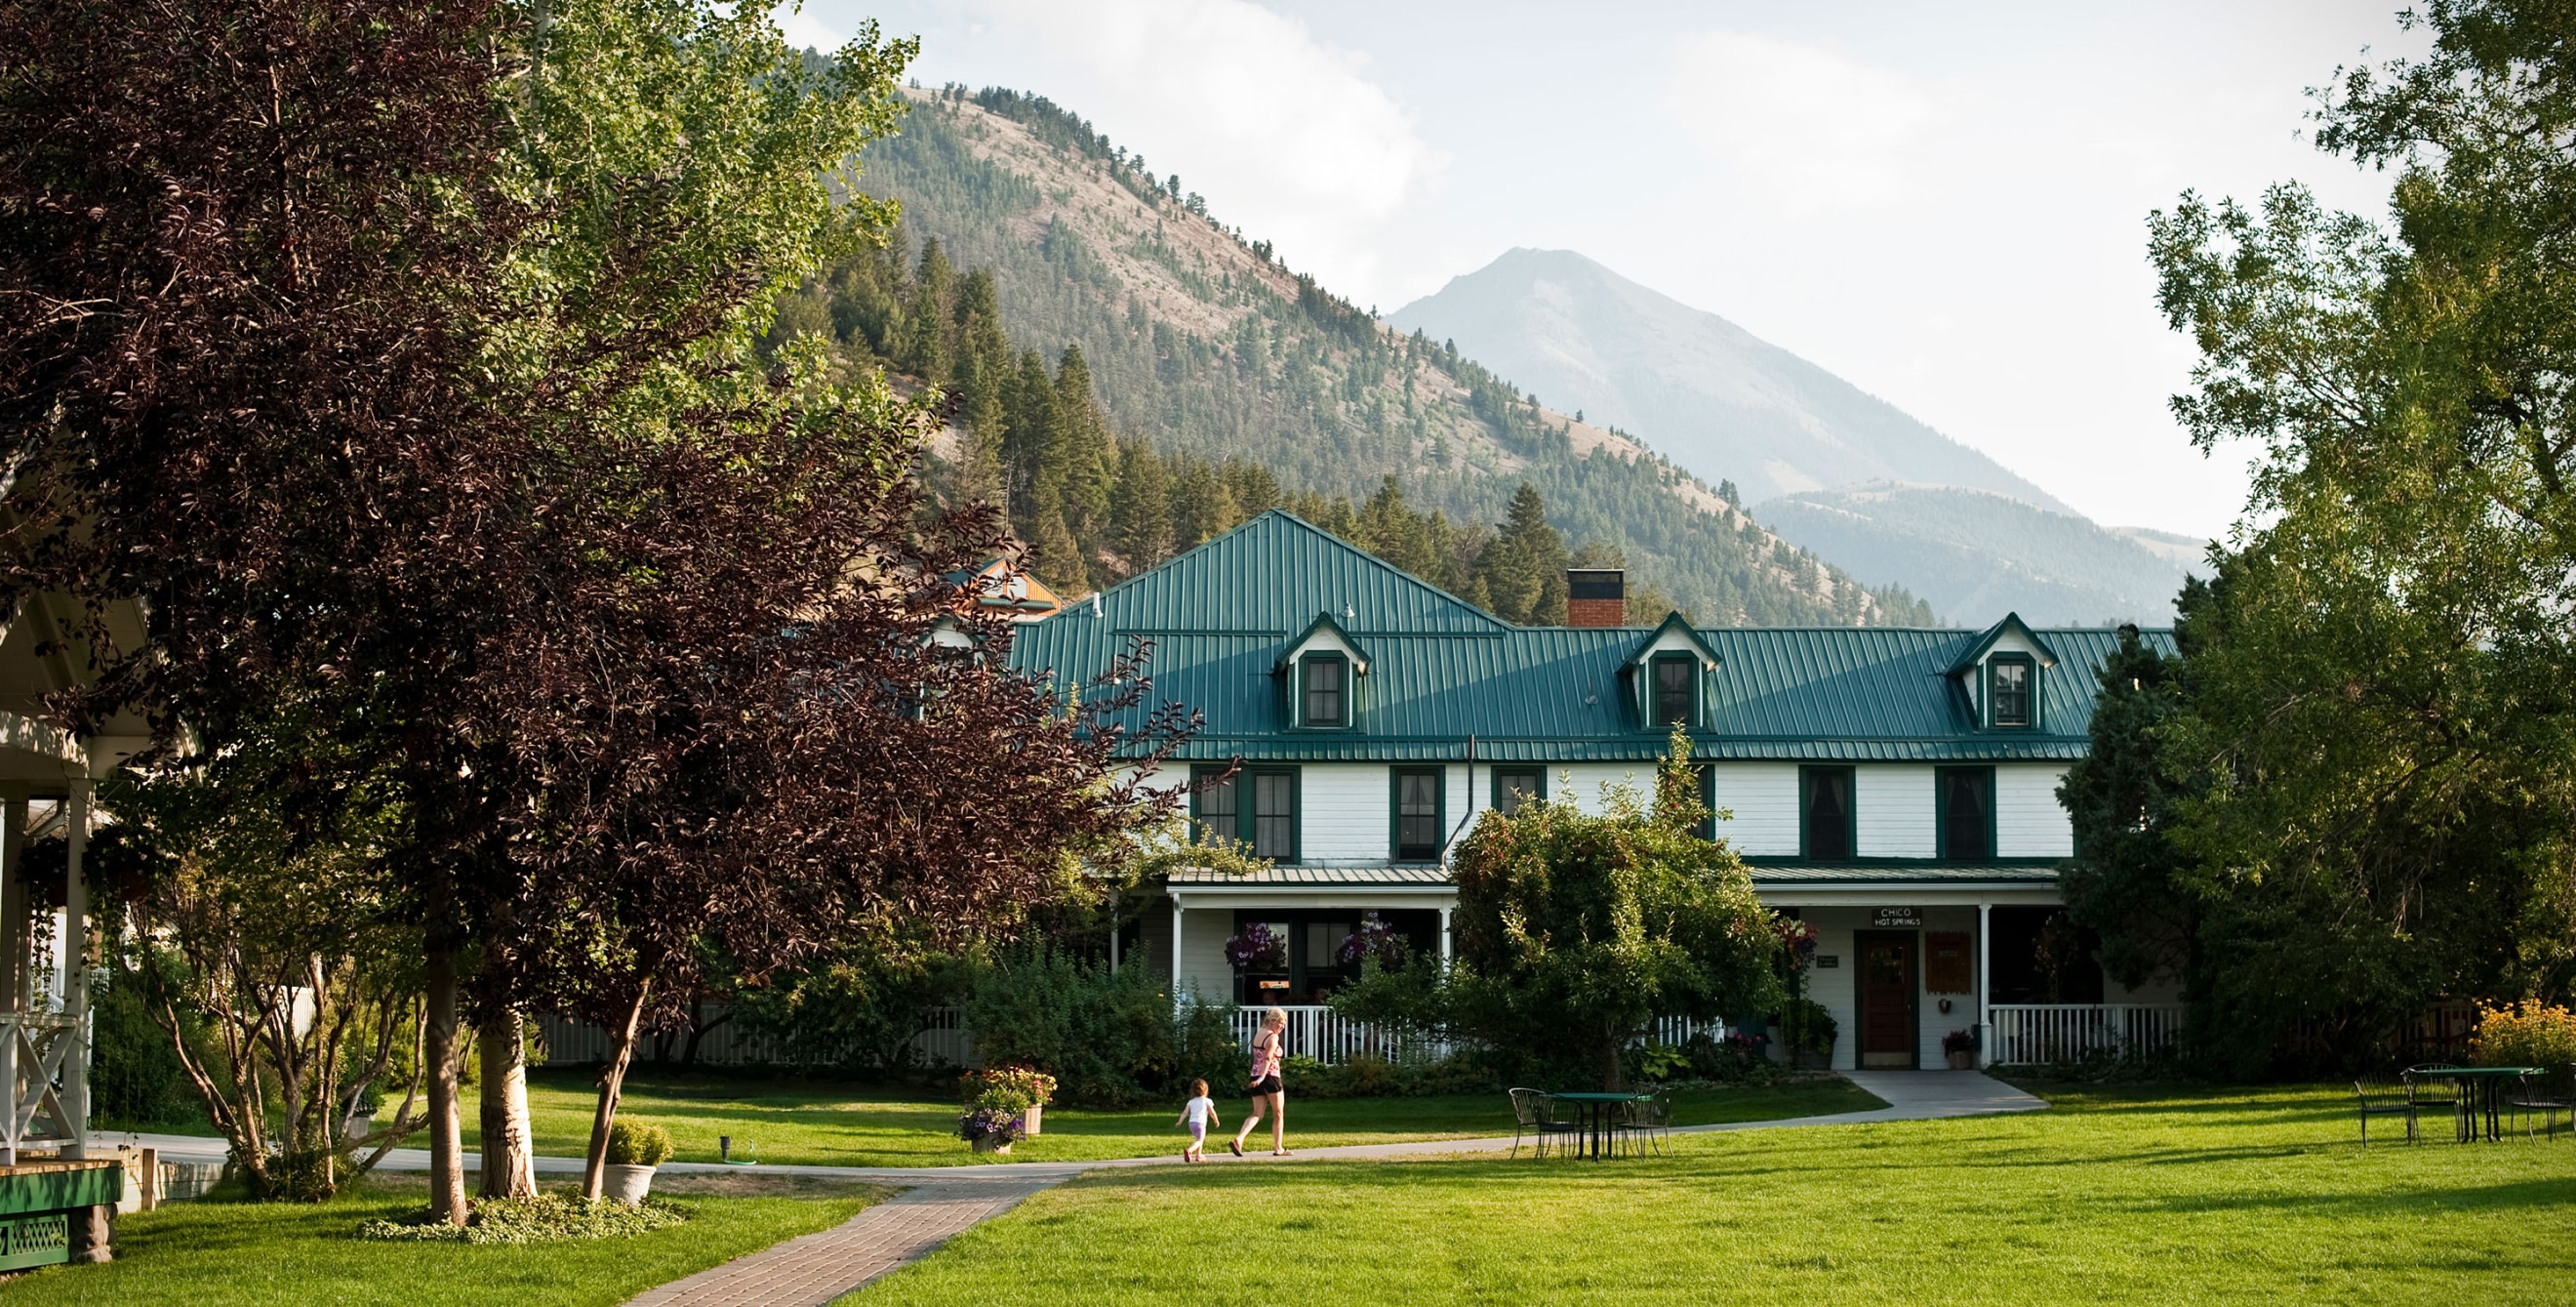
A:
(1267, 1095)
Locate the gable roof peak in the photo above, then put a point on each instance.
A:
(1987, 640)
(1673, 622)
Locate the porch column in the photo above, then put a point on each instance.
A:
(1444, 939)
(1985, 1024)
(75, 986)
(1113, 933)
(1176, 950)
(13, 966)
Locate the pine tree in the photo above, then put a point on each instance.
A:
(1140, 508)
(925, 351)
(1202, 508)
(1035, 477)
(1089, 454)
(1057, 559)
(1254, 489)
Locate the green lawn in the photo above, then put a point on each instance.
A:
(2142, 1195)
(834, 1124)
(223, 1254)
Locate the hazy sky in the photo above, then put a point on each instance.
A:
(1946, 205)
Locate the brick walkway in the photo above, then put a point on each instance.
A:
(814, 1270)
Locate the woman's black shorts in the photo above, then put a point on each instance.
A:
(1268, 1084)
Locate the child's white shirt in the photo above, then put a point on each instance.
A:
(1199, 1108)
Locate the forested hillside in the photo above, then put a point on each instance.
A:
(1099, 330)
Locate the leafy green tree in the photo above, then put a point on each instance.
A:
(1575, 932)
(2128, 881)
(2380, 739)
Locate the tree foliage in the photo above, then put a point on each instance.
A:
(2381, 729)
(1576, 931)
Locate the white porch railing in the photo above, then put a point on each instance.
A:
(2023, 1034)
(1316, 1031)
(1319, 1032)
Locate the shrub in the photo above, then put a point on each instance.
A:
(1738, 1059)
(635, 1143)
(1109, 1039)
(2529, 1033)
(1376, 1077)
(1806, 1026)
(135, 1077)
(546, 1218)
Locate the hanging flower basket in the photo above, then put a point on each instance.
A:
(1258, 948)
(1373, 939)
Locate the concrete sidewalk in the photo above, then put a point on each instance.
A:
(939, 1202)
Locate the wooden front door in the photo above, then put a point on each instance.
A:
(1888, 1037)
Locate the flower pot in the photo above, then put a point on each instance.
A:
(1808, 1059)
(991, 1144)
(626, 1184)
(356, 1128)
(1029, 1119)
(1964, 1060)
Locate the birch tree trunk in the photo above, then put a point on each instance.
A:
(509, 1160)
(446, 1137)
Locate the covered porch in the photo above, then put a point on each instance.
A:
(1907, 956)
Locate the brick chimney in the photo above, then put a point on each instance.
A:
(1596, 596)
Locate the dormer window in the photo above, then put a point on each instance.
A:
(1326, 699)
(2011, 691)
(1676, 690)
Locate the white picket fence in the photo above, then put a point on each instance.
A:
(1318, 1032)
(947, 1042)
(2024, 1034)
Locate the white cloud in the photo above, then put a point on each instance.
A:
(1287, 137)
(1806, 128)
(804, 30)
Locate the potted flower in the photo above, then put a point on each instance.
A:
(1809, 1031)
(991, 1129)
(1026, 1088)
(634, 1149)
(1961, 1048)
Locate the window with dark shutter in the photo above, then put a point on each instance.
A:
(1274, 815)
(1417, 815)
(1517, 787)
(2008, 681)
(1325, 697)
(1674, 697)
(1215, 805)
(1828, 815)
(1967, 825)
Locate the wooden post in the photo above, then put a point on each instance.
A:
(150, 1167)
(1985, 985)
(75, 986)
(13, 965)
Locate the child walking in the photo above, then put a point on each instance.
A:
(1199, 1113)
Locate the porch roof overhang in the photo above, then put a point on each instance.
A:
(1367, 886)
(1870, 884)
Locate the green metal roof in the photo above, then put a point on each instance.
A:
(1440, 670)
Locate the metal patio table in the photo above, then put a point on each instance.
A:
(2482, 1094)
(1596, 1113)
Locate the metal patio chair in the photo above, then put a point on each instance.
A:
(1647, 1120)
(2535, 1096)
(2381, 1100)
(2427, 1090)
(1534, 1114)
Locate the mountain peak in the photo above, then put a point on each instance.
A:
(1718, 400)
